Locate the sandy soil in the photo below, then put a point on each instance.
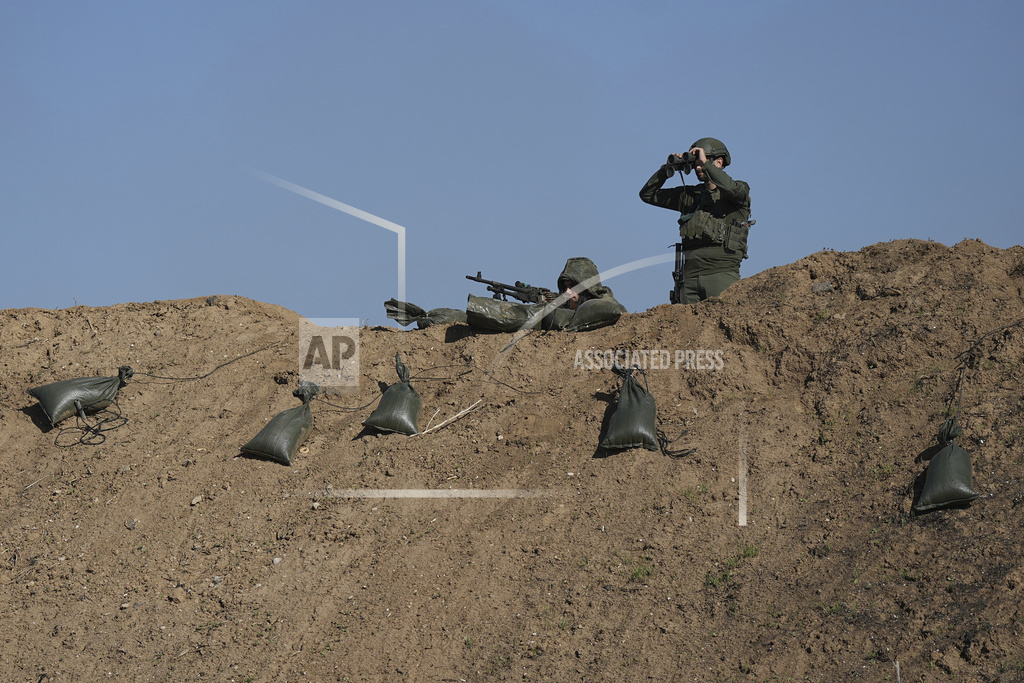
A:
(160, 555)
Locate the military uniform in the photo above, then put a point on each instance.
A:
(597, 307)
(713, 227)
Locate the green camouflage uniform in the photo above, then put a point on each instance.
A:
(597, 308)
(710, 267)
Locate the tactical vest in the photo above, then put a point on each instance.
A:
(703, 229)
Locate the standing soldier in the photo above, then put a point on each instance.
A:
(713, 223)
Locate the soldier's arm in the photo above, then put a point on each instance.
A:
(672, 198)
(734, 190)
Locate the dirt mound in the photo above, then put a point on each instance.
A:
(804, 403)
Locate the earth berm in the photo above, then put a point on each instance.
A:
(161, 555)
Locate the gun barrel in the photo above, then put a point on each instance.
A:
(520, 290)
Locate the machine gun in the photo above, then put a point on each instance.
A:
(520, 290)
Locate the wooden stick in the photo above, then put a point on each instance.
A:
(451, 419)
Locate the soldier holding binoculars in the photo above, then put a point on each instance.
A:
(713, 224)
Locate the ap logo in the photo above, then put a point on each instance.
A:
(329, 353)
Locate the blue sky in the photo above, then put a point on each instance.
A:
(504, 137)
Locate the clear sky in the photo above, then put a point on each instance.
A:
(503, 137)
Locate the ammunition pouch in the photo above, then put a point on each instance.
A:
(704, 229)
(736, 237)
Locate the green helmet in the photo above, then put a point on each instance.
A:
(713, 148)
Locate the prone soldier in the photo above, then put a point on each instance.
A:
(581, 303)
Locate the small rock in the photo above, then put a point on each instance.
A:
(197, 500)
(277, 561)
(178, 595)
(822, 287)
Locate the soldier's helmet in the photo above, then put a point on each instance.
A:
(713, 148)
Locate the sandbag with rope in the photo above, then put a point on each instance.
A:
(81, 395)
(284, 433)
(90, 395)
(949, 480)
(634, 422)
(400, 405)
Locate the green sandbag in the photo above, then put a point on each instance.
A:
(284, 434)
(403, 312)
(399, 407)
(497, 315)
(950, 477)
(557, 319)
(406, 314)
(634, 422)
(593, 314)
(57, 399)
(590, 315)
(441, 316)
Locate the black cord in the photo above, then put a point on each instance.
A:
(92, 435)
(664, 442)
(442, 367)
(473, 367)
(964, 360)
(417, 377)
(346, 409)
(494, 379)
(189, 379)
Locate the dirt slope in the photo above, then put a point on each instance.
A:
(160, 555)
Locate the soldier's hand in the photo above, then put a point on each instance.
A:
(701, 156)
(574, 298)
